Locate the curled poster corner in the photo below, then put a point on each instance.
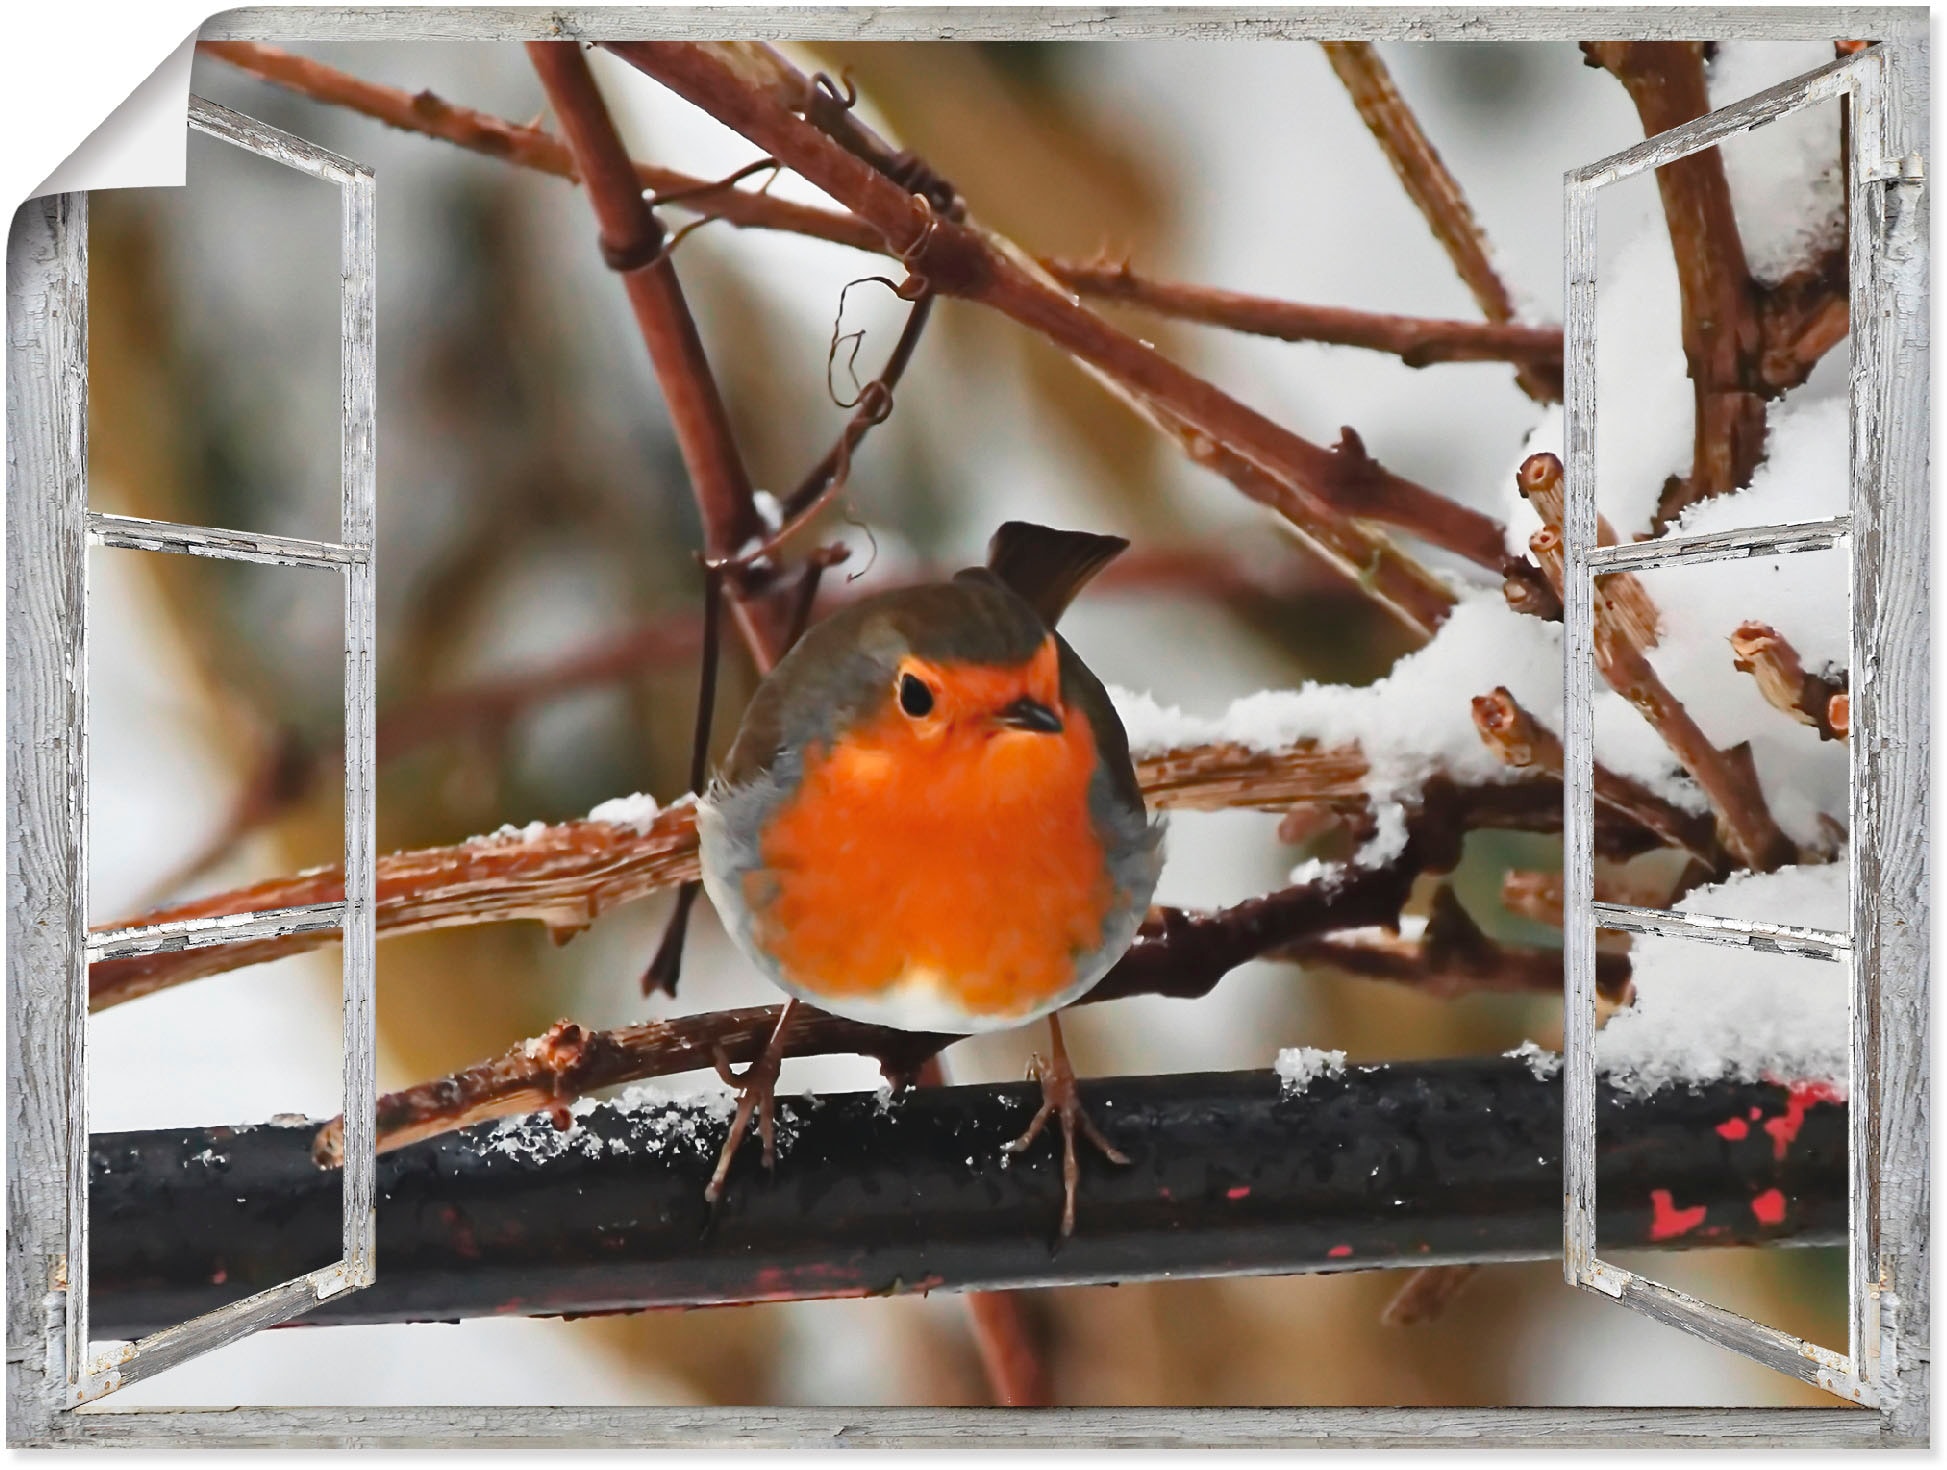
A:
(142, 144)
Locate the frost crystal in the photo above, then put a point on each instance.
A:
(1541, 1061)
(1298, 1065)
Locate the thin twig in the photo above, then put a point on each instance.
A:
(431, 116)
(741, 86)
(1807, 316)
(1433, 188)
(1417, 599)
(1416, 341)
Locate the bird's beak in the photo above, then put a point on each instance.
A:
(1031, 714)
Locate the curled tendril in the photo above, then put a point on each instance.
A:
(849, 98)
(857, 340)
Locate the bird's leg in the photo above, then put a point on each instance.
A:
(756, 1089)
(1061, 1097)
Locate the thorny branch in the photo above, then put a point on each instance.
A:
(1436, 192)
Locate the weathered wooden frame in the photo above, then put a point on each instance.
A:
(59, 534)
(46, 414)
(1885, 534)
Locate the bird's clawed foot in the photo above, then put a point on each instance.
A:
(1061, 1097)
(756, 1088)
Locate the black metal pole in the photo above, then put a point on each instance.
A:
(1380, 1167)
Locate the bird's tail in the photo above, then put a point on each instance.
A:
(1046, 567)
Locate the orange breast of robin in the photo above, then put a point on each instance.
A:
(968, 861)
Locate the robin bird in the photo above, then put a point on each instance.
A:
(929, 820)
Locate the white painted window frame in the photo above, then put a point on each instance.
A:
(1884, 534)
(46, 496)
(87, 1377)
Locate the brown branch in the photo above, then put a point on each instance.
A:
(632, 243)
(1436, 193)
(430, 116)
(1452, 958)
(1721, 337)
(751, 90)
(1538, 896)
(1008, 1352)
(1623, 599)
(1382, 569)
(1727, 777)
(1397, 582)
(1523, 743)
(1177, 954)
(490, 705)
(566, 876)
(1800, 319)
(1426, 1294)
(1762, 652)
(1416, 341)
(1529, 591)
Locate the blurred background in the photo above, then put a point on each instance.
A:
(534, 517)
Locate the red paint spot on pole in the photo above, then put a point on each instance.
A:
(1238, 1191)
(1667, 1221)
(1800, 1097)
(1339, 1252)
(1734, 1129)
(1769, 1207)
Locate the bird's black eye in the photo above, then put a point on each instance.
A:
(914, 697)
